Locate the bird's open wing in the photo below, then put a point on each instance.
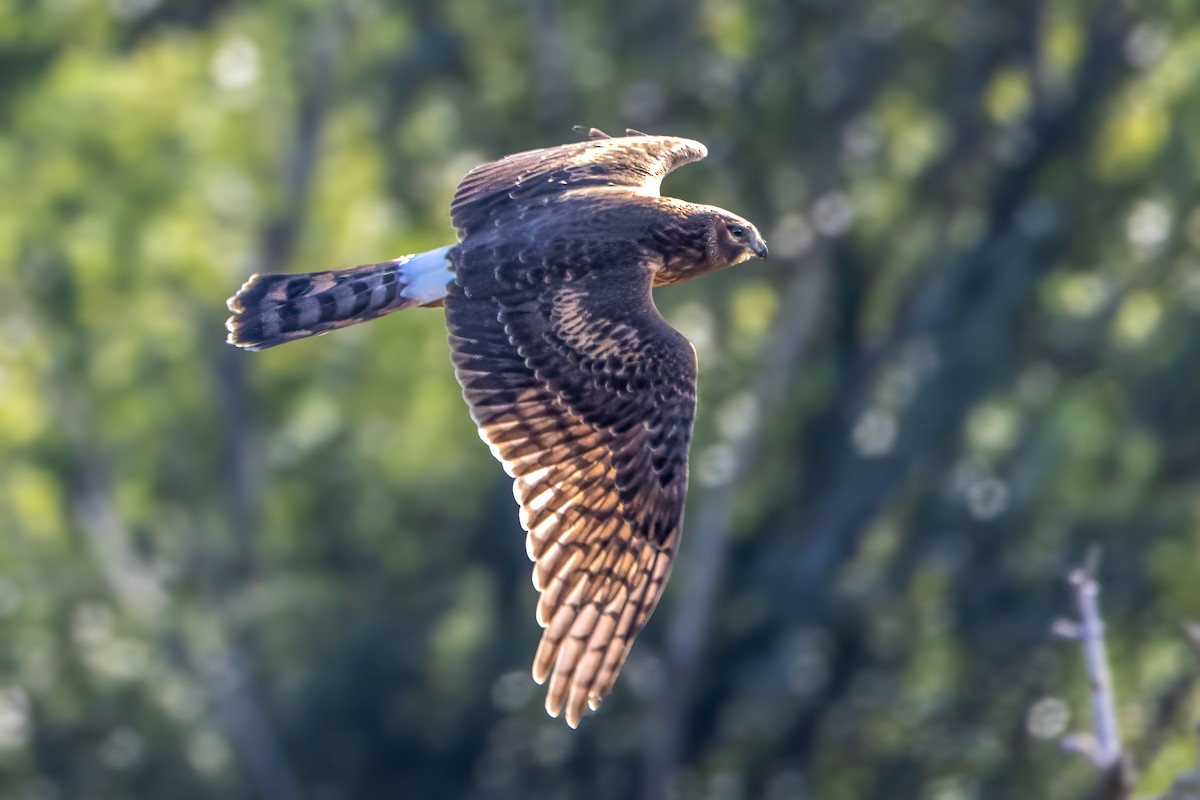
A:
(514, 183)
(586, 395)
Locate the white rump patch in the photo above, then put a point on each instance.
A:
(425, 275)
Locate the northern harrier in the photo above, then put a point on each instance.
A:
(578, 385)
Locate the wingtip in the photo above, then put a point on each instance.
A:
(571, 712)
(541, 670)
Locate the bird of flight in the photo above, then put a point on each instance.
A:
(578, 385)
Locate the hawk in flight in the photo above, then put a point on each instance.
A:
(578, 385)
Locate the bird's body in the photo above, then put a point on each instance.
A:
(580, 388)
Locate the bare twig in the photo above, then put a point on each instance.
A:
(1091, 637)
(1103, 746)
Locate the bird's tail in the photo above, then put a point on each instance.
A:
(274, 308)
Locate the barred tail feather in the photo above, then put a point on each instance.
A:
(273, 308)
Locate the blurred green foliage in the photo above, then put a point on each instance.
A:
(300, 574)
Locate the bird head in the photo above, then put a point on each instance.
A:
(732, 240)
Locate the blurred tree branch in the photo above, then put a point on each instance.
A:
(277, 241)
(964, 311)
(139, 589)
(225, 670)
(1167, 716)
(135, 582)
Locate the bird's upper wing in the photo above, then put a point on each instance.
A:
(586, 395)
(516, 182)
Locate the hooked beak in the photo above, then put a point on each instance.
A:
(760, 248)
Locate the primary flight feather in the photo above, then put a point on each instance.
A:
(581, 389)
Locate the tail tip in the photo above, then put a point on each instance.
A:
(245, 329)
(234, 303)
(243, 333)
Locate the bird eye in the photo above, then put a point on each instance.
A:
(737, 231)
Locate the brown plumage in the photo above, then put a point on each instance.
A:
(581, 389)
